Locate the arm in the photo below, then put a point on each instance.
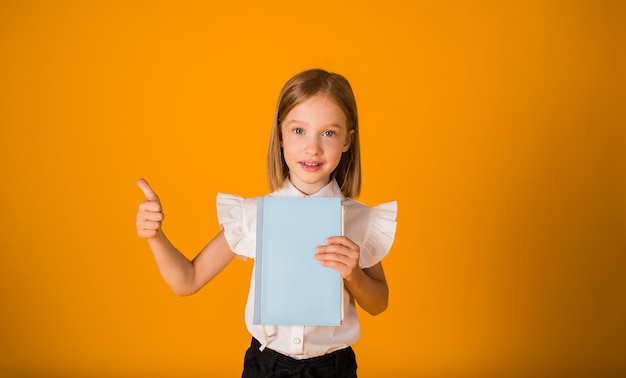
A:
(368, 286)
(183, 276)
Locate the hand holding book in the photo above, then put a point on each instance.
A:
(340, 253)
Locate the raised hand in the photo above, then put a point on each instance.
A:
(150, 214)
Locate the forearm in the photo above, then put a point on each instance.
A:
(176, 269)
(370, 290)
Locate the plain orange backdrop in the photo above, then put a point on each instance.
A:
(499, 126)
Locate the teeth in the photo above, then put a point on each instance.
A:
(310, 165)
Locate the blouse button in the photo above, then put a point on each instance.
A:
(296, 341)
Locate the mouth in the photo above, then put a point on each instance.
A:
(310, 166)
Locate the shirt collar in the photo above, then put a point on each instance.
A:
(332, 189)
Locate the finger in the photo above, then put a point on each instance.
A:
(150, 216)
(147, 233)
(150, 206)
(146, 225)
(341, 240)
(147, 190)
(337, 253)
(343, 268)
(326, 256)
(342, 247)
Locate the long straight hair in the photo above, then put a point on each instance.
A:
(298, 89)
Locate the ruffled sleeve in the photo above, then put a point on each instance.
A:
(374, 228)
(237, 217)
(381, 231)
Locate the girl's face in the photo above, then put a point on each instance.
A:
(315, 135)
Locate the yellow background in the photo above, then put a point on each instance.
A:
(499, 126)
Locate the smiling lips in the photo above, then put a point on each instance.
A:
(310, 166)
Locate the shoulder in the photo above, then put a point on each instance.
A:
(373, 228)
(357, 210)
(237, 217)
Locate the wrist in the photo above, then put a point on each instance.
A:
(354, 277)
(157, 239)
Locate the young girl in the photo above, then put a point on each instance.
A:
(313, 151)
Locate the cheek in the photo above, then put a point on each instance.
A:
(337, 145)
(287, 144)
(293, 143)
(288, 150)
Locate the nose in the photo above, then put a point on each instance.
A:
(313, 145)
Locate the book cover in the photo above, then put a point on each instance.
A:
(292, 287)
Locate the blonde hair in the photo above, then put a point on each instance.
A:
(298, 89)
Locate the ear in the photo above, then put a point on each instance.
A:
(348, 141)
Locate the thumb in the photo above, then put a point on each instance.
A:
(147, 190)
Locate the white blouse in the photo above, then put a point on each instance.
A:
(372, 228)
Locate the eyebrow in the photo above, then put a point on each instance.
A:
(335, 125)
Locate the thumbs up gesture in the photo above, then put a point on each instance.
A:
(150, 214)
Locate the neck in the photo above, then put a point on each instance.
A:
(307, 190)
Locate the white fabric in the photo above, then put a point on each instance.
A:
(372, 228)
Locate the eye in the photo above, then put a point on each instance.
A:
(298, 130)
(329, 133)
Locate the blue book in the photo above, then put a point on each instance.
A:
(292, 287)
